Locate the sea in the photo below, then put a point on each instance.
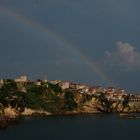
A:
(74, 127)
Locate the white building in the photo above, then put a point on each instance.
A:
(122, 91)
(111, 90)
(80, 86)
(73, 85)
(38, 83)
(65, 85)
(93, 91)
(1, 81)
(23, 79)
(45, 80)
(55, 82)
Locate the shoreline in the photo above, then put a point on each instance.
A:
(6, 121)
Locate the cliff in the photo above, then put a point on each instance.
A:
(61, 98)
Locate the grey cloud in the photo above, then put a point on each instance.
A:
(125, 57)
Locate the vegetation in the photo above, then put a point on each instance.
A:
(47, 97)
(7, 92)
(50, 97)
(69, 103)
(126, 101)
(105, 104)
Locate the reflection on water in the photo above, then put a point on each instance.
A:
(79, 127)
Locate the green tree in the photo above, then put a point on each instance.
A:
(105, 103)
(38, 90)
(55, 88)
(69, 103)
(126, 101)
(7, 91)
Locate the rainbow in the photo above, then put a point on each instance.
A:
(34, 24)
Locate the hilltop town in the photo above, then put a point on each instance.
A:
(22, 96)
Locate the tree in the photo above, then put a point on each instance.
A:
(9, 87)
(38, 90)
(126, 101)
(7, 91)
(105, 103)
(55, 88)
(69, 103)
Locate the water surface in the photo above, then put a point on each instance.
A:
(81, 127)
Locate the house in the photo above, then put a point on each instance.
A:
(1, 81)
(64, 85)
(110, 95)
(80, 86)
(93, 90)
(99, 89)
(134, 102)
(104, 90)
(22, 79)
(122, 91)
(85, 90)
(73, 85)
(54, 82)
(111, 90)
(38, 83)
(45, 80)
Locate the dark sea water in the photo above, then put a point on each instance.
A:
(79, 127)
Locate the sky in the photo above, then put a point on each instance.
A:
(94, 42)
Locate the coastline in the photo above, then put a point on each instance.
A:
(56, 98)
(5, 121)
(13, 116)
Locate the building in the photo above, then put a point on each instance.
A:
(64, 85)
(99, 89)
(80, 86)
(134, 102)
(38, 83)
(111, 90)
(122, 91)
(1, 81)
(73, 85)
(54, 82)
(22, 79)
(45, 80)
(110, 96)
(92, 91)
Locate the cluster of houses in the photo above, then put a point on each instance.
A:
(25, 79)
(111, 93)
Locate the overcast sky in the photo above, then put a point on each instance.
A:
(65, 39)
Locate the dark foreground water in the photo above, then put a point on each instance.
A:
(81, 127)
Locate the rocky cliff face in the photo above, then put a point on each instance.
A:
(89, 107)
(11, 113)
(30, 112)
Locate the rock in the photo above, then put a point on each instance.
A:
(114, 105)
(11, 113)
(126, 109)
(3, 122)
(89, 107)
(30, 112)
(120, 107)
